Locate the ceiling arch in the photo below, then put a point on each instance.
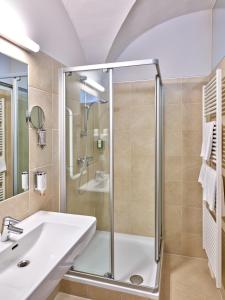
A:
(97, 23)
(93, 31)
(146, 14)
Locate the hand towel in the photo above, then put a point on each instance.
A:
(2, 165)
(210, 187)
(207, 140)
(222, 200)
(201, 178)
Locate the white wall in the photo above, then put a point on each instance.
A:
(48, 24)
(182, 45)
(218, 32)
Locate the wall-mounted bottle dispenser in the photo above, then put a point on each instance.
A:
(25, 181)
(40, 182)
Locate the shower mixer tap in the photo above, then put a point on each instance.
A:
(85, 160)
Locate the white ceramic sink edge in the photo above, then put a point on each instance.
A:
(50, 242)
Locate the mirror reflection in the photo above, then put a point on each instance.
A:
(37, 117)
(14, 141)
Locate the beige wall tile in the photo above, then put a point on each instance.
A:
(192, 245)
(39, 156)
(143, 92)
(173, 117)
(173, 168)
(55, 111)
(173, 193)
(192, 90)
(55, 79)
(173, 91)
(16, 207)
(142, 144)
(142, 117)
(122, 106)
(173, 141)
(182, 165)
(191, 194)
(191, 168)
(191, 116)
(173, 218)
(40, 71)
(173, 242)
(192, 220)
(191, 142)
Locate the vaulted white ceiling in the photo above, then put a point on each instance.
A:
(97, 23)
(93, 31)
(106, 27)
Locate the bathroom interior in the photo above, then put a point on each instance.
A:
(112, 159)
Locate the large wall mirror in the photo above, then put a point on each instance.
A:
(14, 140)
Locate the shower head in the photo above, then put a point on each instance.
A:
(97, 101)
(102, 101)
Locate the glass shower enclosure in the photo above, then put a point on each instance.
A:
(111, 137)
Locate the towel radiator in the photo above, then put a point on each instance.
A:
(212, 231)
(2, 147)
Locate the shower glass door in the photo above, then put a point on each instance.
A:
(134, 173)
(87, 162)
(113, 148)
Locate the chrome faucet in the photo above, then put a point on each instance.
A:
(8, 227)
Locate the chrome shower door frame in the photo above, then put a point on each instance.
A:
(158, 146)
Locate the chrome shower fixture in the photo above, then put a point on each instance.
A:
(92, 83)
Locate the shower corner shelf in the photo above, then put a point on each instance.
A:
(96, 186)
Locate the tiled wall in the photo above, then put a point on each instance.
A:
(134, 157)
(43, 91)
(183, 199)
(134, 162)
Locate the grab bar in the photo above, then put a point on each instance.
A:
(71, 147)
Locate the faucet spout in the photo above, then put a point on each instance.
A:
(8, 227)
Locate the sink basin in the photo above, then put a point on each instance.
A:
(34, 262)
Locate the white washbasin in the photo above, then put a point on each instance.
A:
(50, 242)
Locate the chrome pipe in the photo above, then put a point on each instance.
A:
(62, 140)
(115, 65)
(15, 136)
(111, 168)
(158, 168)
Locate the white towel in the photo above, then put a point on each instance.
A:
(201, 178)
(207, 140)
(223, 204)
(210, 187)
(2, 165)
(207, 178)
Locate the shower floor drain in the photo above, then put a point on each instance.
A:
(136, 279)
(23, 263)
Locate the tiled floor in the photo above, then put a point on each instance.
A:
(63, 296)
(186, 278)
(183, 278)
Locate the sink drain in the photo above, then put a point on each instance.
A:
(23, 263)
(136, 279)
